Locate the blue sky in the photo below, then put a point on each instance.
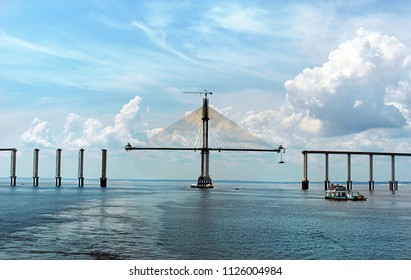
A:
(306, 74)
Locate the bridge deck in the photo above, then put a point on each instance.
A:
(356, 153)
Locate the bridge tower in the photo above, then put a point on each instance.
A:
(204, 180)
(192, 132)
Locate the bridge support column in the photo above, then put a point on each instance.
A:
(103, 179)
(204, 180)
(327, 180)
(81, 168)
(371, 182)
(58, 167)
(36, 167)
(393, 184)
(305, 182)
(349, 182)
(13, 177)
(371, 185)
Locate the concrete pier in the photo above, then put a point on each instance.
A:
(327, 180)
(371, 183)
(36, 167)
(103, 179)
(58, 167)
(349, 181)
(81, 168)
(13, 177)
(393, 184)
(305, 182)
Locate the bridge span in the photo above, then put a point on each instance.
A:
(393, 183)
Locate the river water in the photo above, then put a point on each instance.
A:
(134, 219)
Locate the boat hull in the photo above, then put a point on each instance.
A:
(341, 193)
(203, 186)
(345, 198)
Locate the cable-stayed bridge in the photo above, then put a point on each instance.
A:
(206, 130)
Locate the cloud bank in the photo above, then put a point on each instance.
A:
(363, 86)
(38, 134)
(79, 132)
(347, 93)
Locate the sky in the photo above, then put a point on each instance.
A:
(309, 75)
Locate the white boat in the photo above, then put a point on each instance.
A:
(337, 192)
(206, 186)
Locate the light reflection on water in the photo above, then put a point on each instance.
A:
(168, 220)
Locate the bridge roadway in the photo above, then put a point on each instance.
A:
(130, 148)
(393, 184)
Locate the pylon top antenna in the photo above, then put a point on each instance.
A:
(205, 92)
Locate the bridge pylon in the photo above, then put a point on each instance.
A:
(204, 180)
(194, 133)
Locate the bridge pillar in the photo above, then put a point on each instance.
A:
(36, 167)
(81, 168)
(393, 184)
(13, 177)
(58, 167)
(305, 182)
(103, 179)
(327, 180)
(371, 182)
(349, 182)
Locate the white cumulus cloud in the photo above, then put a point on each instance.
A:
(347, 93)
(124, 119)
(400, 97)
(82, 133)
(79, 132)
(358, 99)
(38, 134)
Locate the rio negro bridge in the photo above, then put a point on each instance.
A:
(206, 130)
